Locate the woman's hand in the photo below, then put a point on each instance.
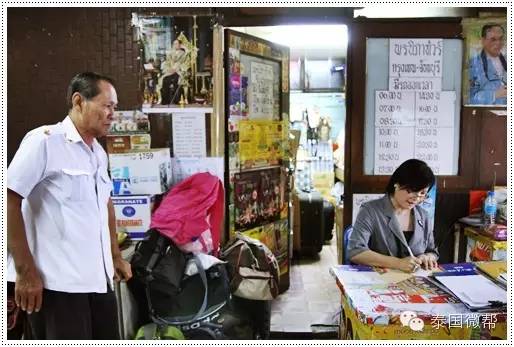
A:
(428, 261)
(408, 264)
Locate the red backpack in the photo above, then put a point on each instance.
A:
(191, 214)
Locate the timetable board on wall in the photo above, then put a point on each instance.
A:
(413, 88)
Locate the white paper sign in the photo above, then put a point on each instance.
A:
(261, 91)
(358, 200)
(415, 118)
(392, 147)
(182, 168)
(411, 84)
(435, 147)
(394, 108)
(435, 109)
(189, 135)
(415, 58)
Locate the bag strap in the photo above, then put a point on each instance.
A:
(156, 254)
(203, 276)
(227, 250)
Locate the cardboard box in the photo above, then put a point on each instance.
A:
(141, 172)
(126, 143)
(133, 214)
(483, 248)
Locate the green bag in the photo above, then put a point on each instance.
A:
(153, 331)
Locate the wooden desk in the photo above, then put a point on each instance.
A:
(373, 301)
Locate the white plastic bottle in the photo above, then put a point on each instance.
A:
(490, 208)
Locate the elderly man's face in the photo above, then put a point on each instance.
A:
(493, 41)
(99, 110)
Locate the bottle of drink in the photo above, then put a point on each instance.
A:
(490, 207)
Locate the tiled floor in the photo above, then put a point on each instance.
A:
(312, 298)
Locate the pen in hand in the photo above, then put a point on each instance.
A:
(416, 266)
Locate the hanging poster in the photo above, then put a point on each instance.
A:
(247, 203)
(260, 143)
(271, 197)
(261, 90)
(485, 69)
(415, 118)
(260, 87)
(189, 135)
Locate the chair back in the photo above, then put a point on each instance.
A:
(346, 237)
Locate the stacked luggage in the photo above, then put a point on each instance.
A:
(184, 290)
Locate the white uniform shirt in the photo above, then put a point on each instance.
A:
(66, 189)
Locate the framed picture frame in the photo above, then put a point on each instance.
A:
(485, 73)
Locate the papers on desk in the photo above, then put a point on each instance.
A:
(475, 291)
(423, 273)
(495, 271)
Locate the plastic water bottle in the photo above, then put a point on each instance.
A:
(490, 207)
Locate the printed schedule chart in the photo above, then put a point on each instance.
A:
(414, 118)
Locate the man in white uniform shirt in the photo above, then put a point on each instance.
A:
(62, 247)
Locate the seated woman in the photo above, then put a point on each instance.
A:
(393, 231)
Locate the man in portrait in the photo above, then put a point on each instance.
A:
(488, 69)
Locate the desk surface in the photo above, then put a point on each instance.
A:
(379, 296)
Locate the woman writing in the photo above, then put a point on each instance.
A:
(393, 231)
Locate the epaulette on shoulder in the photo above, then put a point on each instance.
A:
(50, 130)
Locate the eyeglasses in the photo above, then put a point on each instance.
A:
(421, 195)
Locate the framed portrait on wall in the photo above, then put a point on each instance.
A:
(485, 68)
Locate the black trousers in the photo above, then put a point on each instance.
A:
(76, 316)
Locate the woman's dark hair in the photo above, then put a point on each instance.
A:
(86, 83)
(413, 175)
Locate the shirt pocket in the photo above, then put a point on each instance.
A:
(77, 184)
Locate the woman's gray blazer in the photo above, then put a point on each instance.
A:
(378, 230)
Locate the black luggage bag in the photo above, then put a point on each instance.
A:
(328, 219)
(308, 233)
